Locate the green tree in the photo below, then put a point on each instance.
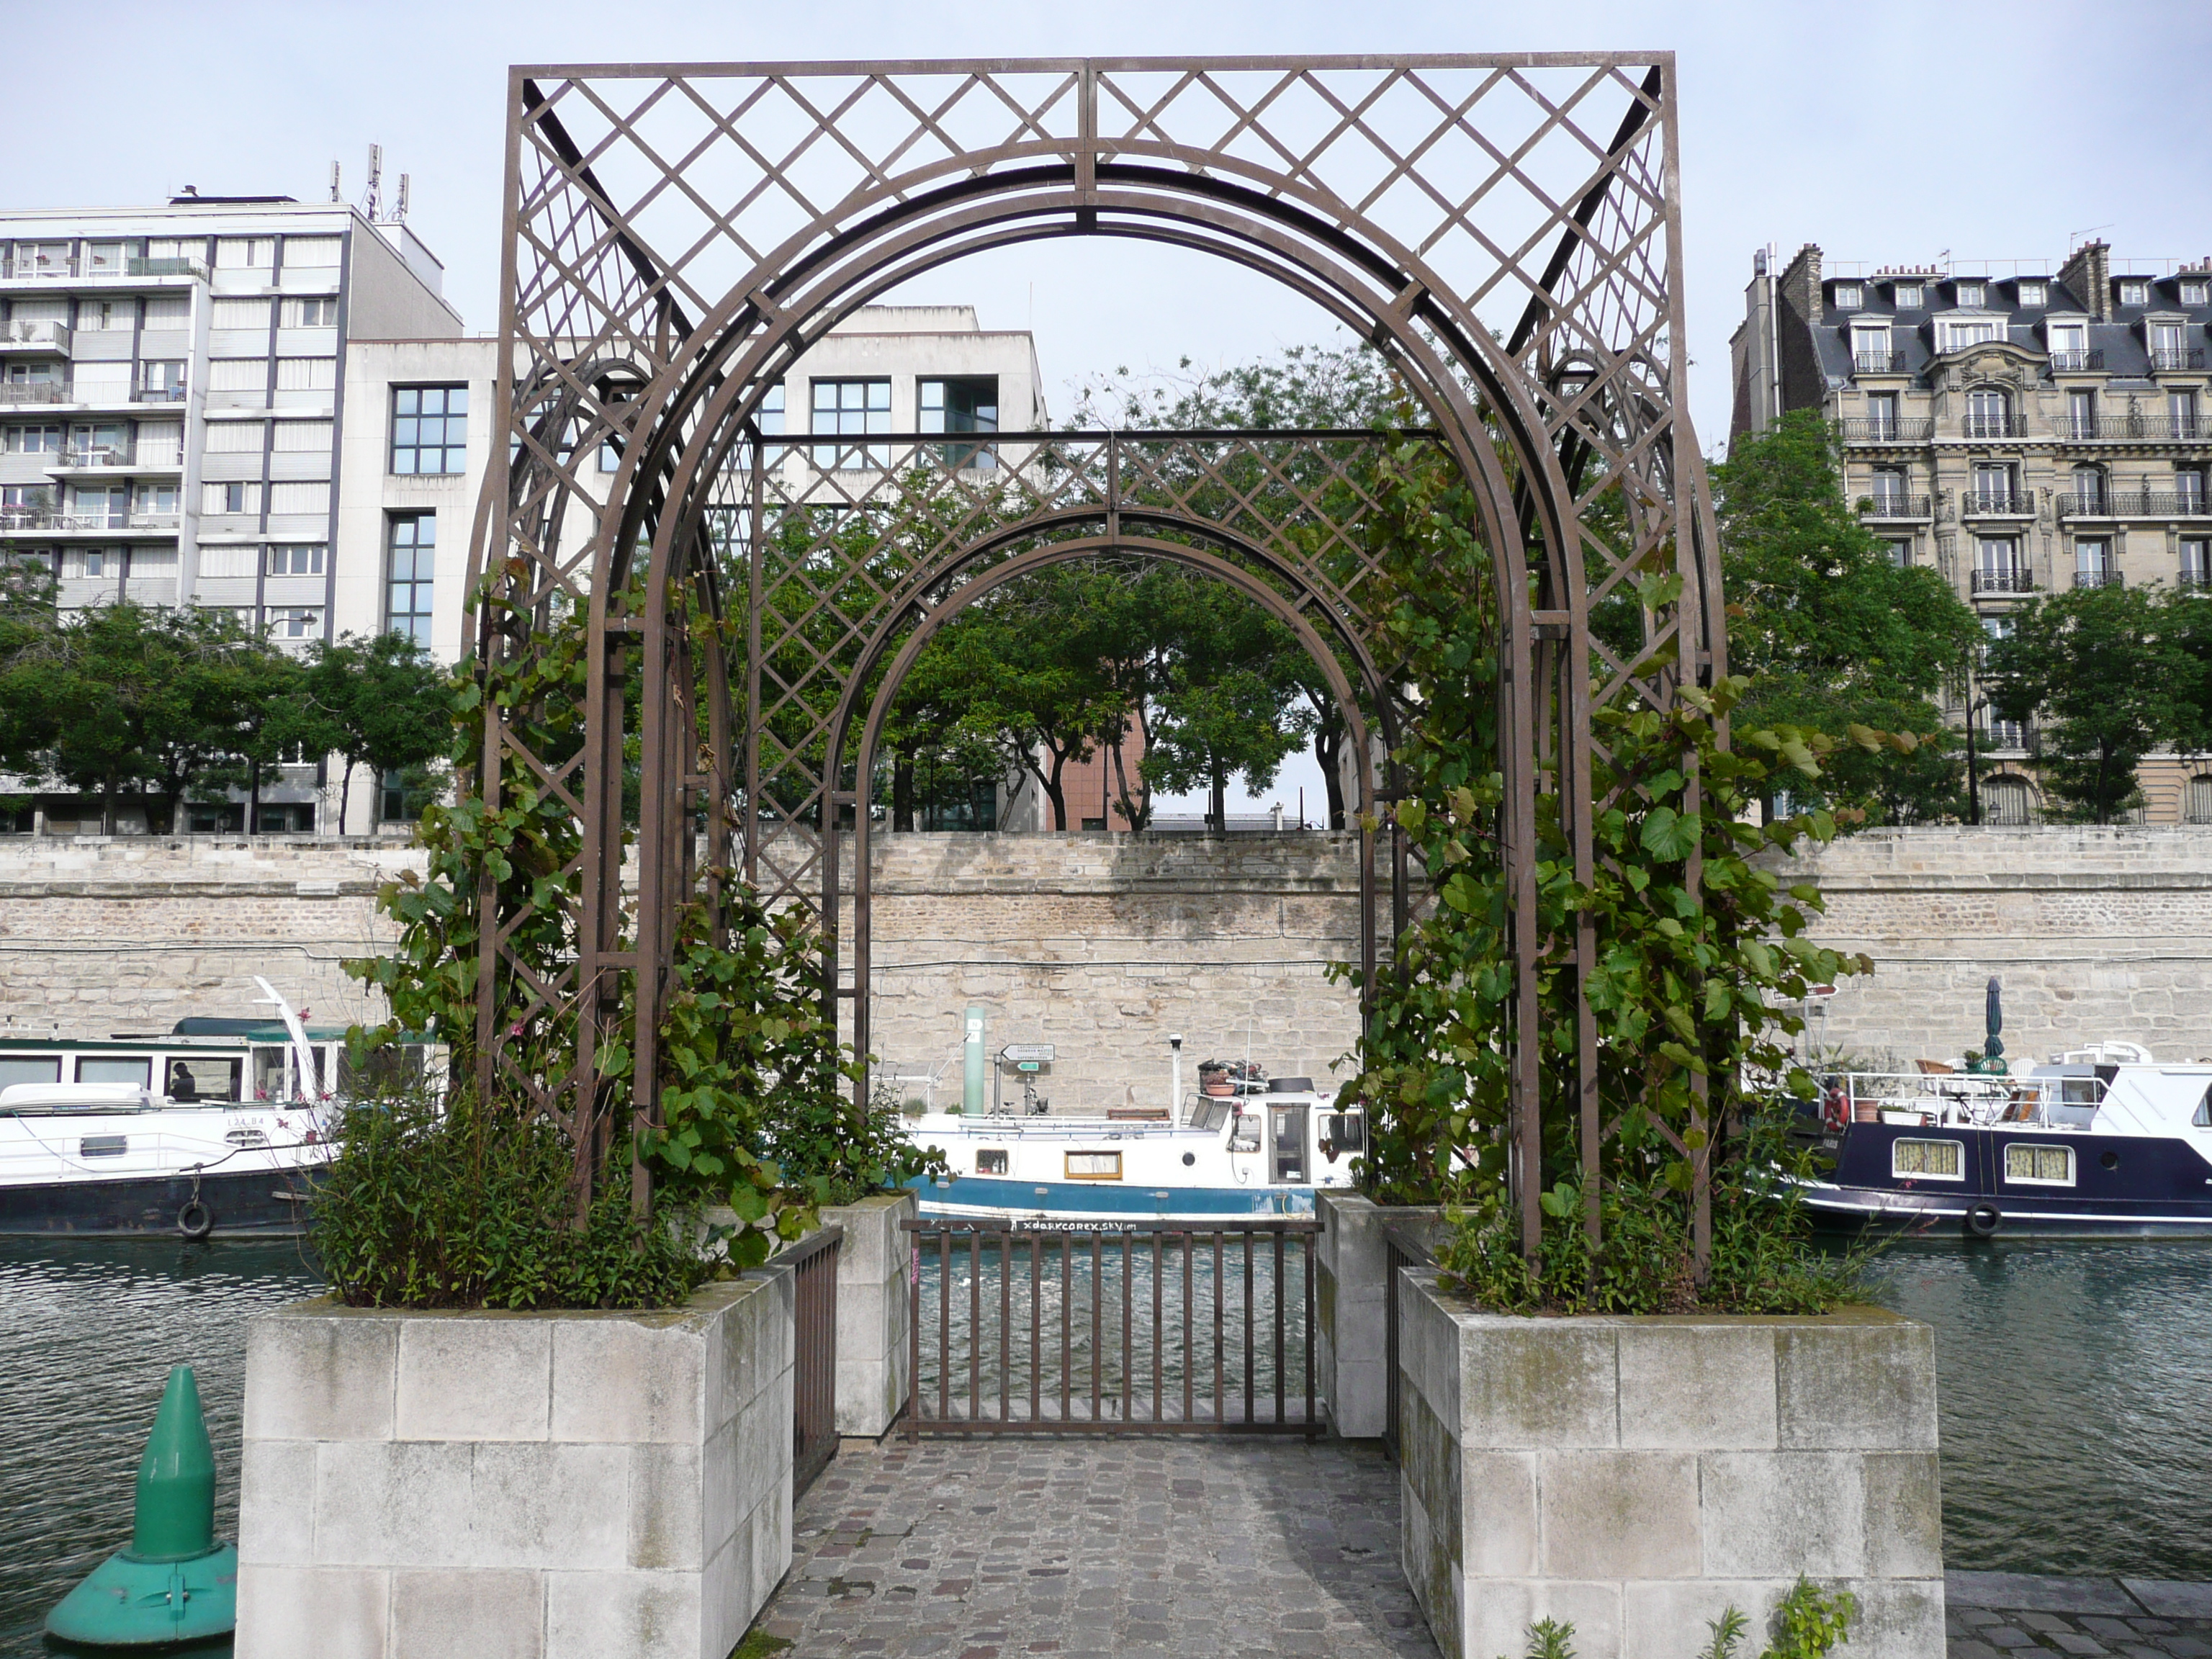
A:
(1831, 634)
(1231, 703)
(379, 702)
(2106, 672)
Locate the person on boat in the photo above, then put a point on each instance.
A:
(182, 1089)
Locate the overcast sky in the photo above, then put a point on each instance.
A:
(1886, 132)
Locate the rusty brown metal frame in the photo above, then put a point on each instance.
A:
(675, 236)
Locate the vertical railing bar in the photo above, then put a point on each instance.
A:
(1278, 1299)
(1311, 1424)
(1128, 1362)
(1189, 1322)
(974, 1323)
(1157, 1380)
(913, 1336)
(1220, 1404)
(1066, 1319)
(1036, 1329)
(1097, 1321)
(945, 1322)
(1005, 1316)
(1248, 1324)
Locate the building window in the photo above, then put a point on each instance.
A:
(303, 560)
(161, 382)
(94, 563)
(430, 428)
(2032, 294)
(770, 414)
(1889, 494)
(2196, 808)
(1958, 336)
(1989, 413)
(2006, 803)
(32, 440)
(2092, 564)
(965, 405)
(314, 311)
(1847, 295)
(244, 253)
(1870, 350)
(230, 498)
(2196, 562)
(154, 502)
(412, 559)
(1910, 296)
(852, 408)
(1993, 491)
(295, 622)
(2135, 293)
(2089, 490)
(2189, 489)
(1996, 566)
(2195, 294)
(1881, 416)
(2081, 414)
(1900, 554)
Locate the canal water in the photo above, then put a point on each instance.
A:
(2076, 1387)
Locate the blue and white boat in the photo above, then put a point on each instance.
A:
(2099, 1142)
(1264, 1152)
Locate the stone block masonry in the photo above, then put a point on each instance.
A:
(561, 1485)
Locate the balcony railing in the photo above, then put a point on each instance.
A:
(1859, 430)
(2073, 362)
(2127, 428)
(1995, 426)
(33, 391)
(2008, 503)
(34, 516)
(2106, 578)
(170, 267)
(40, 335)
(2017, 735)
(159, 394)
(1878, 362)
(1895, 506)
(2003, 581)
(2177, 357)
(2135, 504)
(155, 520)
(96, 455)
(2194, 577)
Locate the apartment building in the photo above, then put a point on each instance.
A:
(2021, 432)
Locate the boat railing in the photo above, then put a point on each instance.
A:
(1973, 1098)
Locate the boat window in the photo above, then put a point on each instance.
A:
(29, 1068)
(1346, 1132)
(269, 1063)
(113, 1069)
(1290, 1129)
(247, 1138)
(1209, 1115)
(1094, 1166)
(190, 1077)
(2050, 1165)
(990, 1160)
(395, 1068)
(103, 1145)
(2081, 1091)
(1944, 1158)
(2202, 1120)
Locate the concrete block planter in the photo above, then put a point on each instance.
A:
(873, 1353)
(1637, 1476)
(538, 1486)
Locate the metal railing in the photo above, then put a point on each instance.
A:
(2166, 357)
(2106, 578)
(2003, 502)
(1878, 362)
(2135, 504)
(1895, 507)
(2194, 578)
(813, 1261)
(2073, 362)
(2003, 581)
(28, 331)
(155, 520)
(169, 267)
(2127, 428)
(95, 455)
(33, 391)
(159, 394)
(1875, 430)
(1215, 1330)
(2007, 735)
(1995, 426)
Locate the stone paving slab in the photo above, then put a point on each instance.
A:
(2007, 1615)
(989, 1548)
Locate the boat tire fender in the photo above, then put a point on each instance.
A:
(195, 1221)
(1982, 1220)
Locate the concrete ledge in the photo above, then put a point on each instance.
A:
(538, 1486)
(1637, 1476)
(2120, 1598)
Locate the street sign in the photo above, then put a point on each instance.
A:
(1029, 1066)
(1018, 1052)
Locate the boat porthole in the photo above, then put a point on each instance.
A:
(195, 1221)
(1189, 1158)
(2111, 1160)
(1982, 1220)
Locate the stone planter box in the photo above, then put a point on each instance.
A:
(532, 1486)
(1352, 1304)
(1637, 1476)
(873, 1352)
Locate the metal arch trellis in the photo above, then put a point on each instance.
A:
(1505, 228)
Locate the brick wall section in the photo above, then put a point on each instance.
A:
(1103, 946)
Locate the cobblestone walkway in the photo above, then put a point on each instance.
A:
(1994, 1615)
(978, 1549)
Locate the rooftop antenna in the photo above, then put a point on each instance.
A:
(373, 202)
(336, 194)
(2074, 237)
(400, 217)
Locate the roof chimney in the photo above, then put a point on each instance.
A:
(2087, 276)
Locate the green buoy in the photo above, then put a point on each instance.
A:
(174, 1583)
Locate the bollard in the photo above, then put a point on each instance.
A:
(174, 1583)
